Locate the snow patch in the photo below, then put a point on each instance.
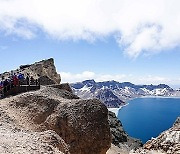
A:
(85, 88)
(114, 110)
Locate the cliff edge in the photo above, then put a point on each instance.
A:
(121, 141)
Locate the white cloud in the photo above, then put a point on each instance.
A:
(153, 79)
(141, 26)
(86, 75)
(107, 77)
(70, 77)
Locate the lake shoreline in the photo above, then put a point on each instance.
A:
(116, 110)
(175, 97)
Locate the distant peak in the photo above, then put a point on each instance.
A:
(89, 81)
(163, 86)
(113, 81)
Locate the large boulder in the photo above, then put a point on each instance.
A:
(81, 124)
(17, 140)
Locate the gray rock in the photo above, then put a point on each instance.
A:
(64, 86)
(81, 124)
(119, 137)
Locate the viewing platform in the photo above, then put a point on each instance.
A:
(17, 90)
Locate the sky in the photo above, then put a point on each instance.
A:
(123, 40)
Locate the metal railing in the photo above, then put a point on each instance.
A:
(4, 90)
(7, 88)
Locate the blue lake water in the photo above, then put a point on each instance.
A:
(144, 118)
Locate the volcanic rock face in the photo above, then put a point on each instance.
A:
(119, 137)
(168, 142)
(44, 70)
(55, 121)
(117, 131)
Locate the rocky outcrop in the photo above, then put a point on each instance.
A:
(117, 131)
(116, 150)
(44, 71)
(168, 142)
(64, 86)
(120, 139)
(54, 120)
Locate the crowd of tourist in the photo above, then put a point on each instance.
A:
(15, 80)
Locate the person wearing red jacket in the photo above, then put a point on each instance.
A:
(15, 80)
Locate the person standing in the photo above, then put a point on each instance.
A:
(27, 79)
(21, 78)
(36, 82)
(32, 80)
(15, 80)
(1, 89)
(5, 85)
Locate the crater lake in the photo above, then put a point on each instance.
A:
(145, 118)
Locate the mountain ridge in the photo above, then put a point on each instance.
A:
(115, 94)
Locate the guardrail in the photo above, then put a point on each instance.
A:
(14, 90)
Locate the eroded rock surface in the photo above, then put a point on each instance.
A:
(78, 126)
(120, 139)
(168, 142)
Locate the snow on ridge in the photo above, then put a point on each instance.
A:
(85, 88)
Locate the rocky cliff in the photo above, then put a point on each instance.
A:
(53, 120)
(121, 141)
(168, 142)
(44, 71)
